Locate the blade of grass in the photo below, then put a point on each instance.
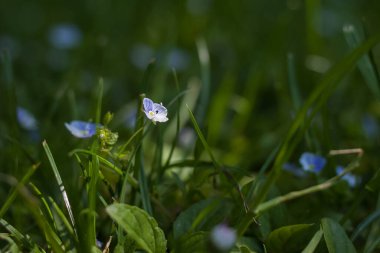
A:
(312, 245)
(17, 234)
(293, 84)
(32, 204)
(63, 226)
(219, 106)
(175, 139)
(139, 165)
(373, 217)
(98, 112)
(354, 38)
(47, 212)
(93, 168)
(60, 182)
(7, 204)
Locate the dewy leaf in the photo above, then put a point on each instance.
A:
(336, 239)
(140, 227)
(280, 239)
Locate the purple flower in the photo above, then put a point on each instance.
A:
(312, 162)
(81, 129)
(26, 119)
(349, 178)
(155, 112)
(223, 237)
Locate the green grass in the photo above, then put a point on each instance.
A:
(249, 87)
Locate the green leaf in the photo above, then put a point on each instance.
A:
(336, 238)
(282, 239)
(140, 227)
(192, 243)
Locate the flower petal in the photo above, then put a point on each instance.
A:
(81, 129)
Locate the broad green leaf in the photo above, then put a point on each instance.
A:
(140, 227)
(192, 243)
(281, 239)
(336, 238)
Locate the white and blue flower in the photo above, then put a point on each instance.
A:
(81, 129)
(155, 112)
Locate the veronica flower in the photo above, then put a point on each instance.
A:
(155, 112)
(65, 36)
(81, 129)
(312, 162)
(26, 119)
(348, 177)
(223, 237)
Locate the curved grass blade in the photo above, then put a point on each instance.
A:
(175, 139)
(373, 217)
(17, 188)
(59, 181)
(139, 164)
(313, 244)
(354, 37)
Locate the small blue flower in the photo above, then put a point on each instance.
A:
(312, 162)
(223, 237)
(81, 129)
(349, 178)
(155, 112)
(65, 36)
(26, 119)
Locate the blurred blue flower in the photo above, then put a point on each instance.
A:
(223, 237)
(177, 59)
(349, 178)
(141, 55)
(26, 119)
(312, 162)
(81, 129)
(65, 36)
(370, 127)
